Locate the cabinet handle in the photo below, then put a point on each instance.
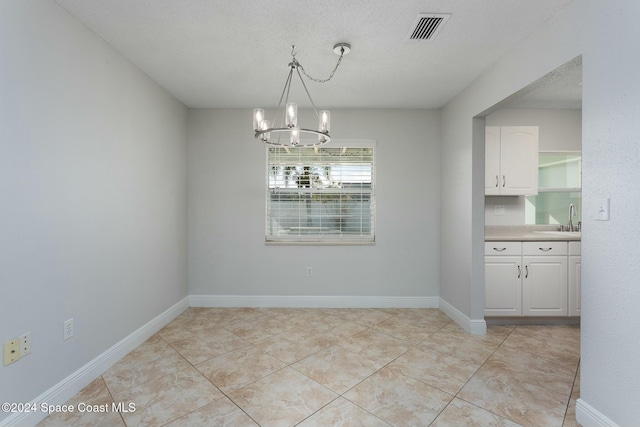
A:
(497, 180)
(499, 249)
(526, 269)
(519, 272)
(504, 180)
(545, 249)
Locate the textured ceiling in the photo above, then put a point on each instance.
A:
(234, 54)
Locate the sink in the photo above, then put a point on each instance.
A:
(561, 233)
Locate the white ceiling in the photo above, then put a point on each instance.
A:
(234, 54)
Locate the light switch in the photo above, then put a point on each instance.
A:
(499, 210)
(603, 210)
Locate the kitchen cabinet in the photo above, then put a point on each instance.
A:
(526, 279)
(575, 266)
(511, 160)
(503, 279)
(544, 285)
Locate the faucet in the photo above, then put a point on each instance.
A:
(572, 213)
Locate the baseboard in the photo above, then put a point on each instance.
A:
(71, 385)
(311, 301)
(473, 326)
(588, 416)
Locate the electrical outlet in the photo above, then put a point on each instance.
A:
(309, 272)
(25, 344)
(11, 351)
(68, 329)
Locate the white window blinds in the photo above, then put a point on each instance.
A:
(320, 195)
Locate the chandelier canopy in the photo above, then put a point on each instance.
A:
(284, 130)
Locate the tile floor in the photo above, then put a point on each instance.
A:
(337, 367)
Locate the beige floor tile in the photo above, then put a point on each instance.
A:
(472, 348)
(293, 345)
(222, 412)
(441, 371)
(499, 331)
(197, 348)
(234, 370)
(377, 346)
(186, 325)
(524, 403)
(337, 368)
(552, 375)
(151, 360)
(226, 316)
(426, 315)
(167, 397)
(569, 333)
(282, 313)
(570, 416)
(460, 413)
(575, 392)
(95, 395)
(342, 413)
(408, 328)
(257, 328)
(365, 317)
(397, 399)
(550, 348)
(282, 399)
(529, 374)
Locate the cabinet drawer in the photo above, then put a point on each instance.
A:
(544, 248)
(502, 248)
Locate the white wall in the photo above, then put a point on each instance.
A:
(93, 185)
(462, 213)
(610, 252)
(610, 249)
(559, 130)
(227, 252)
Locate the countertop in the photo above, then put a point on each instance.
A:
(533, 233)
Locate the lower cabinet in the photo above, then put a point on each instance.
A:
(530, 279)
(575, 278)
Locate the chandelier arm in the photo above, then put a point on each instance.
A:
(330, 75)
(285, 91)
(307, 91)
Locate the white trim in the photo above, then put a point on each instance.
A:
(473, 326)
(71, 385)
(588, 416)
(316, 301)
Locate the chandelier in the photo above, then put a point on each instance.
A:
(284, 130)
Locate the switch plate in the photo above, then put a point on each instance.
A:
(68, 329)
(11, 351)
(603, 210)
(499, 210)
(25, 344)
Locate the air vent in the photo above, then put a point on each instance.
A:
(427, 26)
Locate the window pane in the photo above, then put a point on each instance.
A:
(559, 170)
(320, 194)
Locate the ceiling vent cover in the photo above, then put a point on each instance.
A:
(427, 26)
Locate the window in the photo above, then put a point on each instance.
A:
(560, 184)
(320, 194)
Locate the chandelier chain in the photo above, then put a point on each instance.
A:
(330, 75)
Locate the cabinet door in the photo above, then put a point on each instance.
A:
(518, 160)
(575, 266)
(544, 286)
(502, 286)
(491, 160)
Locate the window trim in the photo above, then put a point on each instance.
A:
(319, 239)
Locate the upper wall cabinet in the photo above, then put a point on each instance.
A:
(511, 160)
